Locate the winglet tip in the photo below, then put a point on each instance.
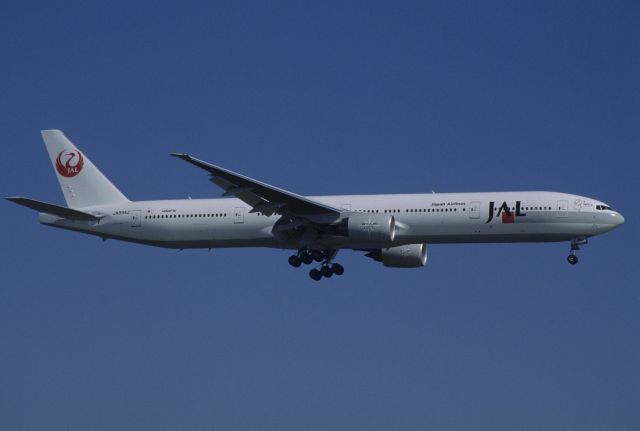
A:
(183, 156)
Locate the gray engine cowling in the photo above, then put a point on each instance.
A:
(370, 227)
(402, 256)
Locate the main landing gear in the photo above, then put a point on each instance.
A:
(575, 246)
(326, 269)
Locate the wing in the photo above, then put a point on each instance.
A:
(260, 196)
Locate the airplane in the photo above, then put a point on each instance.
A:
(393, 229)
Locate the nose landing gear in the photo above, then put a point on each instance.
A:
(575, 246)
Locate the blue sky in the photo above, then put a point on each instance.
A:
(321, 98)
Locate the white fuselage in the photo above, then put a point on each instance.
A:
(420, 218)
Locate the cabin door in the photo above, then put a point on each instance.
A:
(238, 215)
(135, 218)
(474, 209)
(563, 208)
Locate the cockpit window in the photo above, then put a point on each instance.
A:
(603, 207)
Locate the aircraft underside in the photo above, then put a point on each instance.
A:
(404, 251)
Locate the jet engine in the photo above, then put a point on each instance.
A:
(402, 256)
(370, 227)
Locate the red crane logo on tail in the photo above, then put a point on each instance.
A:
(72, 166)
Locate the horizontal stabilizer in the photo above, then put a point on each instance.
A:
(56, 210)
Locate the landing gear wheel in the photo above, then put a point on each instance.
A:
(315, 274)
(306, 258)
(575, 246)
(337, 269)
(317, 255)
(326, 271)
(294, 261)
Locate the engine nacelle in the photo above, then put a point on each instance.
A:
(402, 256)
(370, 227)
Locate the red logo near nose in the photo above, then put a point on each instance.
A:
(72, 166)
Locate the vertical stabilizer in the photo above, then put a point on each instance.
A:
(82, 184)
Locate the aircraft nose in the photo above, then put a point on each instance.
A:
(619, 219)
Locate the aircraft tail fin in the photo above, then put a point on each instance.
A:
(82, 184)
